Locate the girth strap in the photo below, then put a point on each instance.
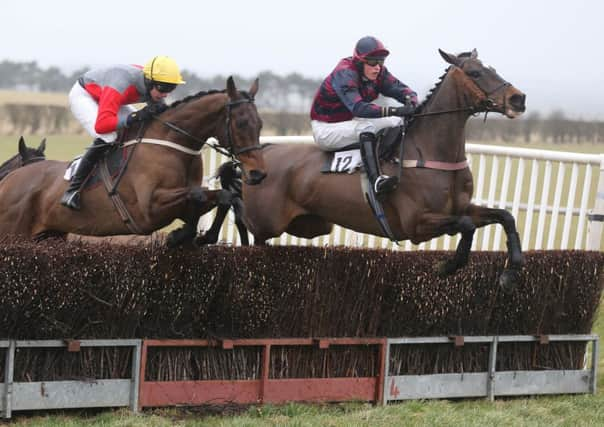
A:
(163, 143)
(116, 199)
(434, 164)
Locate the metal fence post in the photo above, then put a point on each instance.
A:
(595, 358)
(386, 373)
(492, 369)
(9, 377)
(136, 373)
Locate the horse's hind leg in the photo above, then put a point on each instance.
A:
(434, 225)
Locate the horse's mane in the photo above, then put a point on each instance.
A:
(420, 107)
(12, 159)
(201, 94)
(9, 165)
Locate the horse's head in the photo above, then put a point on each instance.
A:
(241, 132)
(228, 115)
(490, 92)
(25, 156)
(29, 154)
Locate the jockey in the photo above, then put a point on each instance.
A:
(343, 113)
(101, 99)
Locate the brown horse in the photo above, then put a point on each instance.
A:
(24, 157)
(431, 201)
(162, 180)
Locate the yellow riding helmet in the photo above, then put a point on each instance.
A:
(163, 69)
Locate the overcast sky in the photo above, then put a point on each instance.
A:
(551, 49)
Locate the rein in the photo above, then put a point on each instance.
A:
(230, 151)
(487, 105)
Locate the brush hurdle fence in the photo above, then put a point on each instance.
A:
(558, 201)
(556, 197)
(137, 392)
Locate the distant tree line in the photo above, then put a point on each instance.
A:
(292, 93)
(287, 99)
(555, 128)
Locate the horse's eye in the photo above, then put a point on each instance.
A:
(473, 73)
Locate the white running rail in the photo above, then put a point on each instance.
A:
(556, 197)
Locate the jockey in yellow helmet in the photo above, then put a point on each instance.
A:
(101, 101)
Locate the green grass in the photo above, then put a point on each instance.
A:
(58, 147)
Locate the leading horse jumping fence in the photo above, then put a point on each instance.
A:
(556, 197)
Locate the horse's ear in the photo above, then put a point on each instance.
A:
(22, 147)
(451, 59)
(254, 88)
(474, 54)
(231, 88)
(42, 146)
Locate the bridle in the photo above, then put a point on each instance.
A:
(227, 149)
(485, 106)
(229, 146)
(33, 159)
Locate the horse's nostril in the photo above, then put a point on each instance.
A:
(518, 101)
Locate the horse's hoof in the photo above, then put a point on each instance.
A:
(445, 268)
(171, 241)
(204, 239)
(508, 281)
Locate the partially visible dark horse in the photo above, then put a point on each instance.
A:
(435, 192)
(162, 181)
(230, 181)
(24, 157)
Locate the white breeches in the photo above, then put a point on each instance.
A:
(333, 136)
(85, 109)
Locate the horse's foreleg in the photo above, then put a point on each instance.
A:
(198, 201)
(482, 216)
(238, 210)
(210, 237)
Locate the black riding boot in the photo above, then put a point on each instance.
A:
(381, 183)
(71, 198)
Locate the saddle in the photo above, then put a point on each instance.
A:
(115, 159)
(348, 159)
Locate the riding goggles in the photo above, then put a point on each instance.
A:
(165, 87)
(373, 62)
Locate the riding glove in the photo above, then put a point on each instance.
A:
(157, 108)
(411, 100)
(405, 110)
(141, 115)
